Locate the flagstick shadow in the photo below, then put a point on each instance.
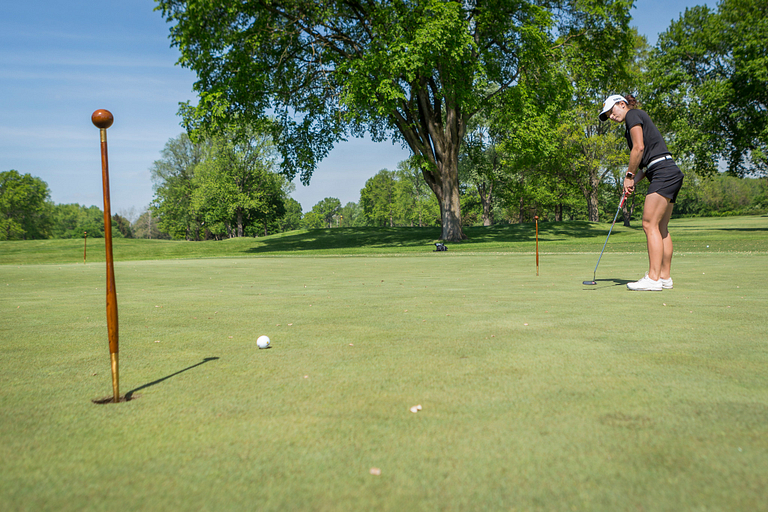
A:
(129, 394)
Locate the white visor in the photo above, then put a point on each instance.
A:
(608, 105)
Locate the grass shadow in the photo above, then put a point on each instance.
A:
(129, 395)
(616, 282)
(378, 237)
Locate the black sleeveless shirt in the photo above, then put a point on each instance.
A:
(652, 140)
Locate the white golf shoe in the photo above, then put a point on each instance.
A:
(646, 284)
(666, 283)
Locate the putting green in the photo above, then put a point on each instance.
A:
(537, 393)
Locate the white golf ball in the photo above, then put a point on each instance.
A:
(263, 341)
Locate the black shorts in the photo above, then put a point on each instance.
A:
(666, 179)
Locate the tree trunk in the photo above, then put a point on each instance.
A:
(592, 197)
(451, 205)
(627, 211)
(486, 196)
(594, 214)
(435, 135)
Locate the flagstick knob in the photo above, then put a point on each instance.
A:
(102, 119)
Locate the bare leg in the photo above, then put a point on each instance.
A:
(666, 242)
(656, 210)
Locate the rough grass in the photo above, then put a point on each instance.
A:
(537, 393)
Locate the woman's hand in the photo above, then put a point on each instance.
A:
(629, 186)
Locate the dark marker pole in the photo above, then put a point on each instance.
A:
(85, 244)
(103, 119)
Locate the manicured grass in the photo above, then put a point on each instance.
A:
(538, 393)
(726, 234)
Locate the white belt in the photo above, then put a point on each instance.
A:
(666, 157)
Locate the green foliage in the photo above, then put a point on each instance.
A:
(709, 86)
(173, 178)
(328, 210)
(236, 187)
(551, 154)
(721, 195)
(399, 198)
(292, 218)
(219, 186)
(351, 215)
(377, 199)
(73, 220)
(25, 207)
(415, 205)
(480, 164)
(122, 226)
(312, 220)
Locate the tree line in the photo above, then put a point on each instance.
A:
(389, 199)
(387, 202)
(27, 213)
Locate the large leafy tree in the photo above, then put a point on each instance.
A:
(25, 207)
(350, 215)
(480, 163)
(414, 70)
(377, 199)
(292, 218)
(235, 185)
(173, 177)
(327, 209)
(709, 86)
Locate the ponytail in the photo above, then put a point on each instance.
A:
(631, 101)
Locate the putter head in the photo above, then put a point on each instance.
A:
(591, 283)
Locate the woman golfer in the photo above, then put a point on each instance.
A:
(649, 158)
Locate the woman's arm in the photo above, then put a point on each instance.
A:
(634, 174)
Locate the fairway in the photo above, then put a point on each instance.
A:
(537, 393)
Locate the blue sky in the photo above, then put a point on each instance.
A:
(62, 59)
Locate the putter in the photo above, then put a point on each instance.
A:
(593, 282)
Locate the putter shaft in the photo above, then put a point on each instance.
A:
(594, 274)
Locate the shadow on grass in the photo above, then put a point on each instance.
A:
(616, 282)
(598, 282)
(129, 395)
(377, 237)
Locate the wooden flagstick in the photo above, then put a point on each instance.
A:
(103, 119)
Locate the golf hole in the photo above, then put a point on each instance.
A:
(111, 399)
